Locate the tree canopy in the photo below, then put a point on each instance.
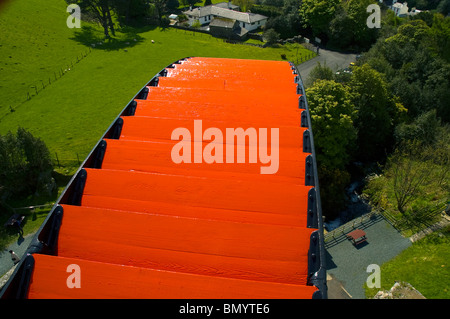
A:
(332, 115)
(317, 14)
(378, 112)
(25, 164)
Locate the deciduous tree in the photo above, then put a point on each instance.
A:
(378, 112)
(25, 164)
(317, 14)
(332, 115)
(100, 10)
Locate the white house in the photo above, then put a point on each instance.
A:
(247, 20)
(400, 9)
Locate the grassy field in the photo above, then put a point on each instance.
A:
(73, 110)
(424, 265)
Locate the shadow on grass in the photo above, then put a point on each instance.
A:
(126, 37)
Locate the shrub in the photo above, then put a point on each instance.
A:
(165, 21)
(271, 36)
(25, 165)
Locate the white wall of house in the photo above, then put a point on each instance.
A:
(203, 20)
(252, 26)
(207, 19)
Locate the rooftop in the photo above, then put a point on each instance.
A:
(222, 22)
(221, 10)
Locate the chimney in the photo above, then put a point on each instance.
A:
(190, 7)
(229, 4)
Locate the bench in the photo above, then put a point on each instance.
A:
(357, 236)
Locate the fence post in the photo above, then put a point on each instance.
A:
(57, 160)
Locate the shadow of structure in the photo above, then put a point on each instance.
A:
(329, 261)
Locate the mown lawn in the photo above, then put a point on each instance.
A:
(72, 112)
(424, 265)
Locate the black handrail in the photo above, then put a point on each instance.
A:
(318, 279)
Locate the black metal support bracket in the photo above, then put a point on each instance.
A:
(143, 94)
(316, 272)
(131, 109)
(78, 188)
(309, 171)
(52, 237)
(304, 119)
(313, 255)
(301, 102)
(154, 81)
(312, 221)
(307, 142)
(99, 155)
(27, 268)
(116, 130)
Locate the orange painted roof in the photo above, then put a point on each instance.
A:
(147, 227)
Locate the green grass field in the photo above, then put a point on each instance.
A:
(424, 265)
(73, 112)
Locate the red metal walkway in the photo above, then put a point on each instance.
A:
(144, 226)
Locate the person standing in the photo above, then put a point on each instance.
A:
(14, 257)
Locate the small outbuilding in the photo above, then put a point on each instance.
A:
(227, 28)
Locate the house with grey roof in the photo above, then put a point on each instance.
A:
(205, 15)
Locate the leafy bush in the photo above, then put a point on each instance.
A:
(25, 165)
(271, 36)
(320, 72)
(165, 21)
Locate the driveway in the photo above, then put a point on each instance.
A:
(334, 60)
(347, 264)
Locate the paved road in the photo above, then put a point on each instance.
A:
(334, 60)
(347, 264)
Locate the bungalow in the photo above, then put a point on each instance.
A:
(249, 21)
